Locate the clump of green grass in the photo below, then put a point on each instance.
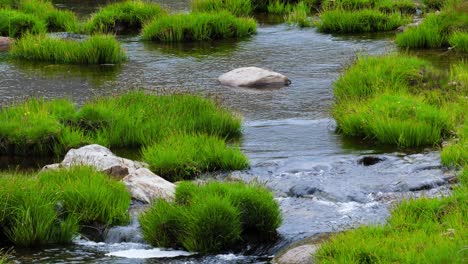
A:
(15, 24)
(365, 20)
(402, 6)
(434, 31)
(198, 26)
(401, 120)
(98, 49)
(127, 16)
(434, 4)
(32, 127)
(185, 156)
(163, 225)
(56, 20)
(29, 216)
(279, 7)
(371, 75)
(418, 231)
(235, 7)
(300, 15)
(459, 41)
(50, 207)
(211, 217)
(133, 119)
(115, 119)
(91, 196)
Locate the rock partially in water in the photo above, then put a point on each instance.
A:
(298, 255)
(146, 186)
(254, 77)
(5, 43)
(369, 160)
(143, 185)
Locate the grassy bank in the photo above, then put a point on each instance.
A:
(419, 231)
(439, 30)
(15, 24)
(399, 100)
(185, 156)
(211, 217)
(56, 20)
(199, 26)
(235, 7)
(126, 17)
(130, 120)
(98, 49)
(49, 208)
(357, 21)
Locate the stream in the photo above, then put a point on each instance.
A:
(322, 181)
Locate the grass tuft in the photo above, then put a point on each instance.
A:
(435, 31)
(28, 215)
(127, 16)
(16, 24)
(401, 120)
(211, 217)
(56, 20)
(98, 49)
(371, 75)
(300, 15)
(91, 196)
(459, 41)
(182, 157)
(365, 20)
(198, 26)
(235, 7)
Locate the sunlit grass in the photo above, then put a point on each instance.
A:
(181, 157)
(15, 24)
(365, 20)
(127, 16)
(98, 49)
(211, 217)
(235, 7)
(199, 26)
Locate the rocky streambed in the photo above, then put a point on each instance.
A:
(322, 181)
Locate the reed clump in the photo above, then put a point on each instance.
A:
(211, 217)
(127, 16)
(438, 30)
(49, 208)
(399, 100)
(198, 26)
(56, 20)
(235, 7)
(97, 49)
(357, 21)
(15, 24)
(181, 157)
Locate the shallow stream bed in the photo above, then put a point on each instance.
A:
(317, 175)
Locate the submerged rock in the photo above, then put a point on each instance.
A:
(254, 77)
(142, 184)
(5, 43)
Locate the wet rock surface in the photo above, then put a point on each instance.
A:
(142, 184)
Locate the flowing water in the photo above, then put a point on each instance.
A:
(319, 178)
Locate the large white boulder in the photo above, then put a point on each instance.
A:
(254, 77)
(142, 184)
